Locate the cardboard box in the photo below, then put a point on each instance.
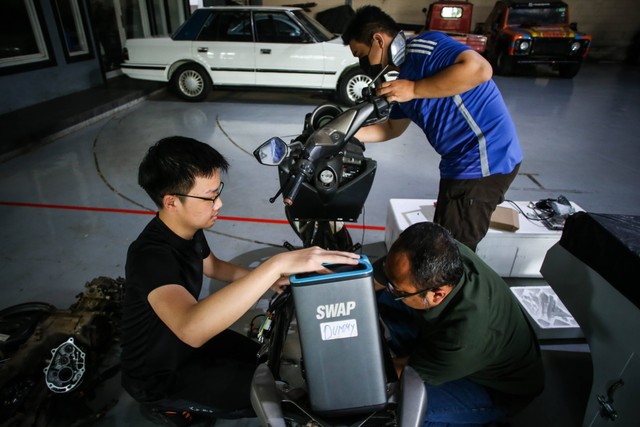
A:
(504, 218)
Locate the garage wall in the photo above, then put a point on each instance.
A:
(613, 25)
(25, 88)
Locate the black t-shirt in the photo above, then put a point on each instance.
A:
(151, 353)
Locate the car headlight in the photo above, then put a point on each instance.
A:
(575, 46)
(523, 47)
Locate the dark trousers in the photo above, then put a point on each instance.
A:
(217, 380)
(464, 206)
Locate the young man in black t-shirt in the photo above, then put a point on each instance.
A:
(177, 353)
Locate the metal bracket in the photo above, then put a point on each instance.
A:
(606, 404)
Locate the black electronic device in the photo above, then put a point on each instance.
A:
(554, 212)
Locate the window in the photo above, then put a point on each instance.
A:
(21, 35)
(72, 29)
(227, 26)
(277, 28)
(314, 27)
(529, 17)
(451, 12)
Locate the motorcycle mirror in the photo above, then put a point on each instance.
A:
(397, 54)
(272, 152)
(377, 80)
(397, 49)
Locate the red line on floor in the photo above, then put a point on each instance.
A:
(144, 212)
(76, 208)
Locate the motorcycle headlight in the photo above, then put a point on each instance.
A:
(327, 177)
(326, 181)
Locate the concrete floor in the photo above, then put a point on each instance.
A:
(72, 207)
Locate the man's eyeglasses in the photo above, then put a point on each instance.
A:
(399, 295)
(212, 200)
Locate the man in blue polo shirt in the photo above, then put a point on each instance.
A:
(445, 88)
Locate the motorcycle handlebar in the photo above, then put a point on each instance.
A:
(291, 192)
(370, 111)
(303, 171)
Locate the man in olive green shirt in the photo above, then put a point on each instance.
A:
(463, 330)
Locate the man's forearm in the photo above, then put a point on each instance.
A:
(373, 133)
(382, 131)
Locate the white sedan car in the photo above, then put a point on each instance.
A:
(247, 46)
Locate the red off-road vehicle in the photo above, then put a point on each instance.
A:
(520, 32)
(453, 17)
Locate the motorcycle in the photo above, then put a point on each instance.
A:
(348, 372)
(324, 176)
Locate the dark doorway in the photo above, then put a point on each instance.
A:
(105, 27)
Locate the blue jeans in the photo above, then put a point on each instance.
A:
(460, 403)
(456, 403)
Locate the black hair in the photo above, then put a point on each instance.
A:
(433, 255)
(172, 165)
(367, 21)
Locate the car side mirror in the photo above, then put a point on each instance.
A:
(574, 26)
(305, 38)
(272, 152)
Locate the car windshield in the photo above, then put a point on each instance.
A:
(528, 17)
(319, 32)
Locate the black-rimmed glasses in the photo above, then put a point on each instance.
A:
(399, 295)
(212, 200)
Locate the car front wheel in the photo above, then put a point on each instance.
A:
(351, 84)
(504, 64)
(191, 82)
